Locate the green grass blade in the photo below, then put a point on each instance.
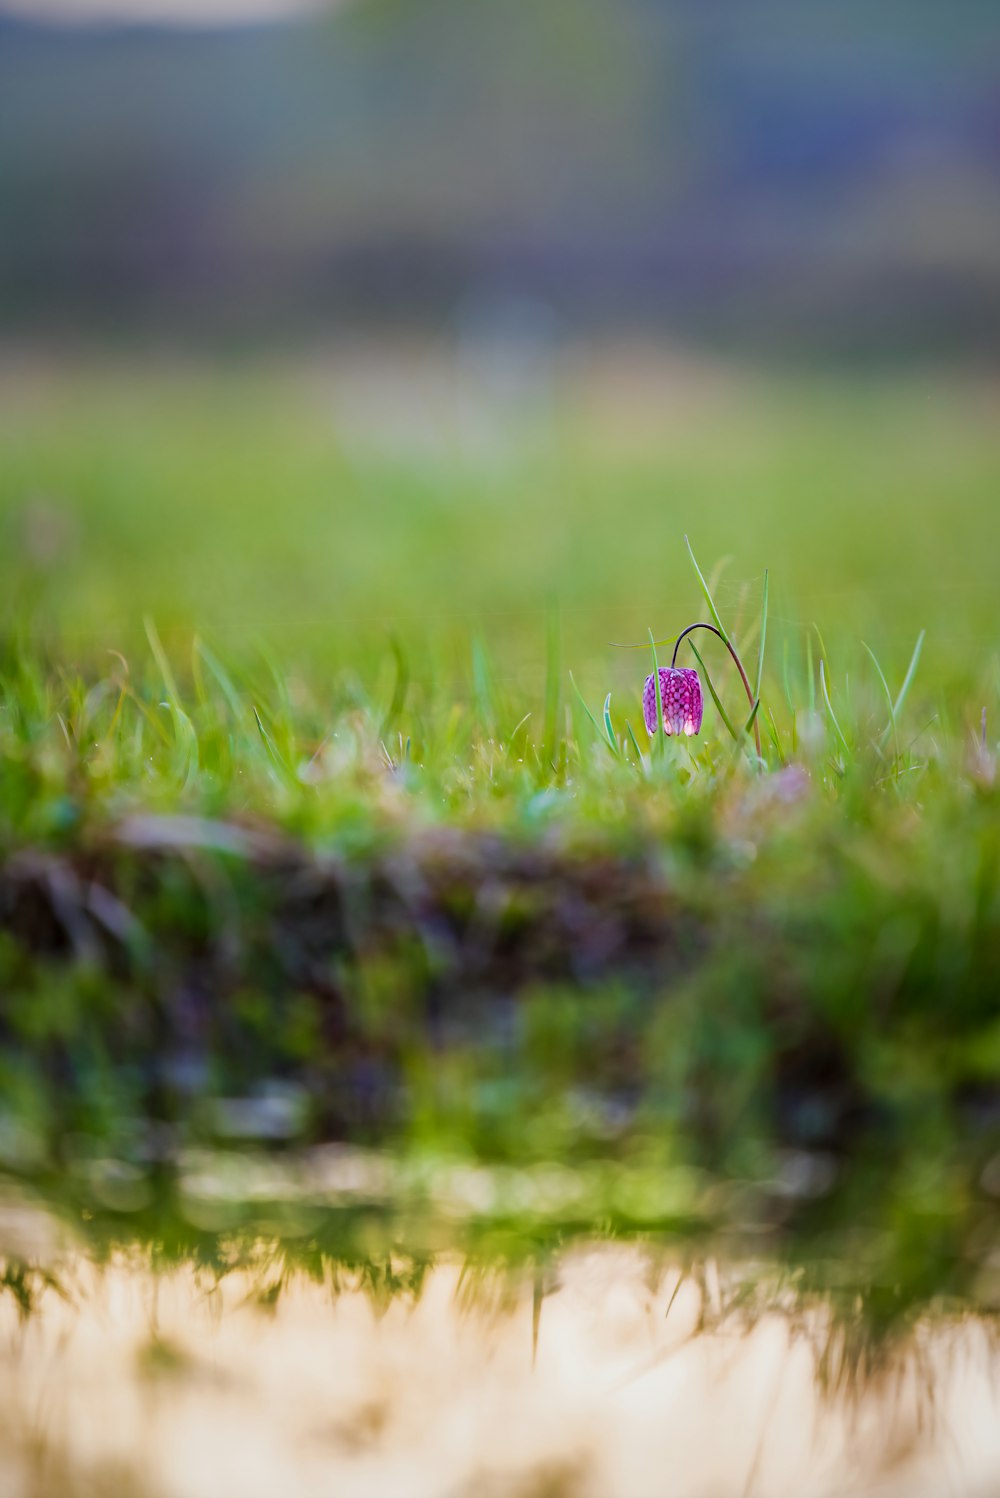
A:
(889, 701)
(712, 692)
(517, 728)
(597, 727)
(185, 737)
(811, 673)
(747, 729)
(400, 687)
(658, 747)
(635, 744)
(197, 678)
(482, 685)
(552, 686)
(763, 640)
(609, 728)
(160, 657)
(234, 701)
(150, 717)
(772, 733)
(911, 672)
(706, 590)
(639, 644)
(285, 775)
(829, 708)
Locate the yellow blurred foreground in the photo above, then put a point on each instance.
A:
(123, 1382)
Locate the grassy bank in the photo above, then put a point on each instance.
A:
(310, 836)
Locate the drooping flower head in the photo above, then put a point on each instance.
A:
(680, 689)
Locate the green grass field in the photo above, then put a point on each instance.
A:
(292, 507)
(314, 536)
(299, 802)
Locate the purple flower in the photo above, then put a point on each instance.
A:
(680, 690)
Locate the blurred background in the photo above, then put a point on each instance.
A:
(761, 175)
(357, 296)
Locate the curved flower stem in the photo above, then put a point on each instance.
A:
(739, 666)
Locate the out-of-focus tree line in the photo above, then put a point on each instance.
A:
(769, 173)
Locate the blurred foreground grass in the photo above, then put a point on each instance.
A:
(328, 849)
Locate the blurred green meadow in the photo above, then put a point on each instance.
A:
(318, 507)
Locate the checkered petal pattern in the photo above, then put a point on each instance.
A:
(683, 706)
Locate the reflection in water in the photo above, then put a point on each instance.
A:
(125, 1379)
